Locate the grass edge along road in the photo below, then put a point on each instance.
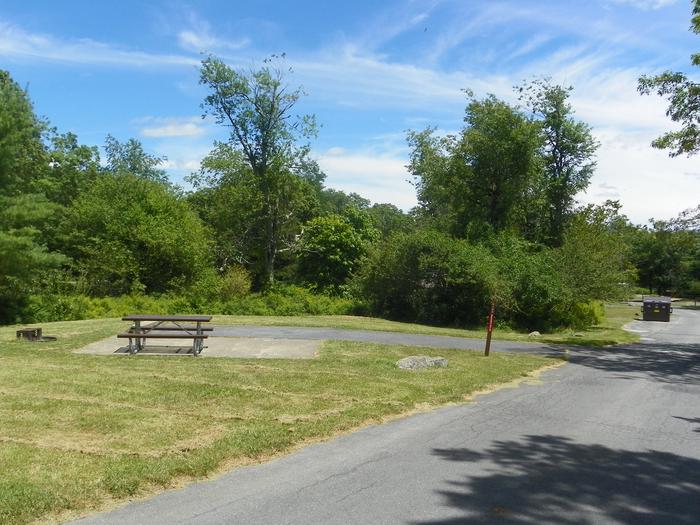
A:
(609, 331)
(80, 432)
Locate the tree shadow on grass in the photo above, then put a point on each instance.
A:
(671, 363)
(552, 479)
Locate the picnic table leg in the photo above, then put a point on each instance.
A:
(139, 342)
(198, 342)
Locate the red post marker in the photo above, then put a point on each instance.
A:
(489, 329)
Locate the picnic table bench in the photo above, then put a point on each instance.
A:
(166, 327)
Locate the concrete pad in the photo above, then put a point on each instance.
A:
(241, 347)
(262, 348)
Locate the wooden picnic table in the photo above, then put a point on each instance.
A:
(166, 327)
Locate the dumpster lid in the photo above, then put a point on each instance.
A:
(657, 299)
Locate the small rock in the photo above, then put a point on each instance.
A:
(534, 334)
(414, 362)
(577, 334)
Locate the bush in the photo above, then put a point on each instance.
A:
(331, 248)
(126, 229)
(539, 296)
(431, 278)
(428, 277)
(281, 300)
(583, 315)
(235, 282)
(289, 300)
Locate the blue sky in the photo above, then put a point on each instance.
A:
(372, 70)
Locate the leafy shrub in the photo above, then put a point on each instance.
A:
(127, 229)
(583, 315)
(432, 278)
(235, 282)
(289, 300)
(281, 300)
(332, 247)
(428, 277)
(44, 308)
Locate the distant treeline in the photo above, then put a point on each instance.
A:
(83, 236)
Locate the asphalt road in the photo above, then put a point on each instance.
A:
(371, 336)
(612, 437)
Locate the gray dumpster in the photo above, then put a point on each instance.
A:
(656, 309)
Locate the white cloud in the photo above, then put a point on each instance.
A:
(199, 38)
(391, 23)
(15, 42)
(464, 25)
(529, 46)
(357, 80)
(647, 182)
(646, 4)
(172, 127)
(182, 164)
(183, 153)
(379, 177)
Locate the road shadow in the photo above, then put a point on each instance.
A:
(672, 363)
(552, 479)
(691, 420)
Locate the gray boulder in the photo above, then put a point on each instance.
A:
(414, 362)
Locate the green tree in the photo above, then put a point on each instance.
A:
(128, 233)
(664, 258)
(24, 210)
(130, 157)
(72, 168)
(477, 183)
(230, 200)
(330, 250)
(23, 156)
(23, 257)
(429, 277)
(683, 96)
(388, 219)
(567, 153)
(595, 257)
(336, 201)
(535, 296)
(257, 107)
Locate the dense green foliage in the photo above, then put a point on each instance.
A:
(265, 136)
(567, 154)
(130, 233)
(280, 300)
(433, 278)
(232, 201)
(668, 259)
(507, 170)
(477, 183)
(260, 233)
(429, 277)
(331, 248)
(25, 211)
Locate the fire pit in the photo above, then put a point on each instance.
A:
(34, 335)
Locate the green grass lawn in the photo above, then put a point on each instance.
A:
(79, 432)
(608, 332)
